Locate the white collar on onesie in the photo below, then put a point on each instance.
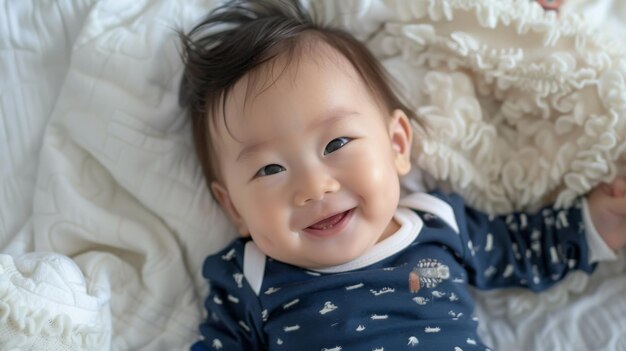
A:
(410, 227)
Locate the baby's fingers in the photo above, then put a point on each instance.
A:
(618, 187)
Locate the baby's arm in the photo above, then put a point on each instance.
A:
(521, 249)
(607, 209)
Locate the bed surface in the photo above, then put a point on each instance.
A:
(96, 160)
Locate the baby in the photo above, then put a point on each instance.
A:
(303, 143)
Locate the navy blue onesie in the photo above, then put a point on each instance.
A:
(409, 292)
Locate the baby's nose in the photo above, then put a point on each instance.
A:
(314, 187)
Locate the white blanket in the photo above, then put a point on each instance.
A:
(97, 163)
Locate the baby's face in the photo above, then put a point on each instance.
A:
(311, 164)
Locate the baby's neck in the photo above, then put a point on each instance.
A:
(391, 229)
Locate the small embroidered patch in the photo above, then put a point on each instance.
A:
(427, 273)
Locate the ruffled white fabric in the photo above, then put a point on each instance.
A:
(518, 103)
(45, 304)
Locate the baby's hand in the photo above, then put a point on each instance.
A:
(607, 207)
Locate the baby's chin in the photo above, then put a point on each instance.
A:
(319, 254)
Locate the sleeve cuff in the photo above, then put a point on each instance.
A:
(598, 249)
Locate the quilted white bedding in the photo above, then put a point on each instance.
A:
(104, 215)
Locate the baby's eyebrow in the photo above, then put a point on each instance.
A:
(334, 116)
(250, 149)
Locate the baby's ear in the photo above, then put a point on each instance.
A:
(223, 198)
(400, 134)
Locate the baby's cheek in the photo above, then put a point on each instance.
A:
(260, 214)
(267, 226)
(378, 181)
(267, 216)
(379, 171)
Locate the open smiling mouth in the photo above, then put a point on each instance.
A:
(331, 225)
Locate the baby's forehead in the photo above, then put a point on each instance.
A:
(286, 71)
(262, 91)
(285, 67)
(290, 94)
(286, 74)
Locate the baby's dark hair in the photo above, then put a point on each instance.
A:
(237, 39)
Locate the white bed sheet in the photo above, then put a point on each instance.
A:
(116, 187)
(35, 46)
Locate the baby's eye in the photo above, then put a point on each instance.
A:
(336, 144)
(269, 170)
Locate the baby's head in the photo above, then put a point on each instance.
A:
(299, 134)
